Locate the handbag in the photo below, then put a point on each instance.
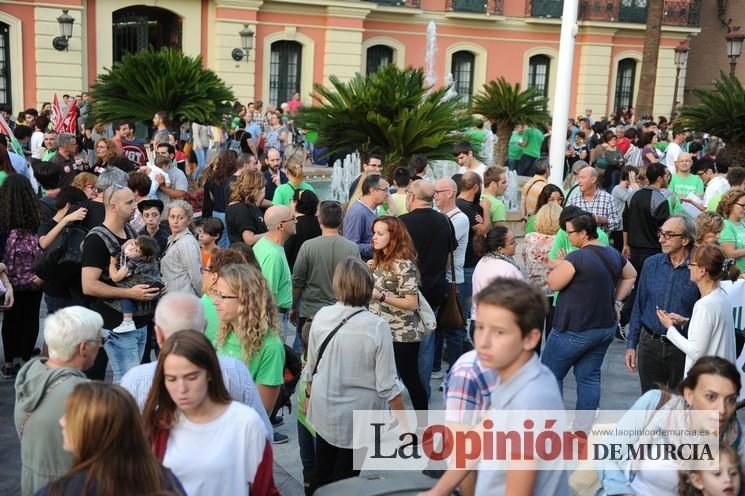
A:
(450, 314)
(427, 320)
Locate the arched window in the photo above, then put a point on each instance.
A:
(284, 71)
(5, 93)
(625, 78)
(139, 27)
(462, 66)
(538, 73)
(378, 56)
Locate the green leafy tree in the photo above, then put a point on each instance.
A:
(390, 112)
(148, 81)
(506, 106)
(721, 112)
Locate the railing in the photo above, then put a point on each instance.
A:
(398, 3)
(675, 13)
(495, 7)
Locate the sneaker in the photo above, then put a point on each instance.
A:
(277, 420)
(438, 374)
(126, 326)
(280, 439)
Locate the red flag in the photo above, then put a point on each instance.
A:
(56, 115)
(70, 122)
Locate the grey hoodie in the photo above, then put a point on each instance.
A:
(41, 394)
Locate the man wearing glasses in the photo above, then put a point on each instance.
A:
(664, 284)
(362, 213)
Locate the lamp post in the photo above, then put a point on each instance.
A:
(65, 21)
(681, 57)
(247, 43)
(734, 47)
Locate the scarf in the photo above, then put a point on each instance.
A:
(504, 258)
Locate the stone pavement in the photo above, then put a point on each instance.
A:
(619, 390)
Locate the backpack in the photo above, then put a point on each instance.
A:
(293, 368)
(633, 156)
(63, 259)
(21, 252)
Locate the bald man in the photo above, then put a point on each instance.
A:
(683, 184)
(123, 346)
(270, 254)
(433, 238)
(178, 312)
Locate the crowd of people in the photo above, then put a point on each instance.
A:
(130, 271)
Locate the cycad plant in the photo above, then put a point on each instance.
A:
(506, 106)
(148, 81)
(721, 112)
(391, 112)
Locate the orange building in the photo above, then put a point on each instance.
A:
(301, 42)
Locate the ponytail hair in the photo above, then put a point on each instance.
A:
(713, 259)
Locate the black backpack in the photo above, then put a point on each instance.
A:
(62, 260)
(293, 368)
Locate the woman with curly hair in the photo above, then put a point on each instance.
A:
(243, 217)
(248, 327)
(213, 444)
(108, 154)
(216, 190)
(395, 299)
(19, 223)
(102, 428)
(732, 238)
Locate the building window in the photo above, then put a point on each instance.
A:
(5, 93)
(284, 71)
(625, 79)
(139, 27)
(462, 66)
(378, 56)
(538, 72)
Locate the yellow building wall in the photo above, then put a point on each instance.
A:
(593, 78)
(342, 54)
(58, 72)
(665, 85)
(240, 76)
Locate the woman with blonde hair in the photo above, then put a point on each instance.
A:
(248, 327)
(284, 193)
(213, 444)
(708, 227)
(103, 430)
(86, 182)
(538, 244)
(732, 238)
(243, 217)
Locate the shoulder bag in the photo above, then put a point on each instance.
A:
(450, 314)
(330, 337)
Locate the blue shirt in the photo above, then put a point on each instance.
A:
(358, 227)
(21, 167)
(255, 131)
(664, 286)
(270, 186)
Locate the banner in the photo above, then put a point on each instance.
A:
(70, 122)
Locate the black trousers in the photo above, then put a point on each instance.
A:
(407, 363)
(21, 325)
(659, 363)
(332, 463)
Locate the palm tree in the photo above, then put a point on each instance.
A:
(721, 112)
(391, 112)
(149, 81)
(506, 106)
(648, 77)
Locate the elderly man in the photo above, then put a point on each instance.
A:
(180, 312)
(362, 213)
(67, 147)
(433, 239)
(665, 284)
(73, 337)
(596, 201)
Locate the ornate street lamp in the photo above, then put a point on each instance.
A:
(247, 42)
(734, 48)
(65, 27)
(681, 57)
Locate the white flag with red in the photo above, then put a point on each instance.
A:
(56, 117)
(70, 122)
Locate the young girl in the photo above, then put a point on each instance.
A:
(725, 481)
(209, 233)
(139, 266)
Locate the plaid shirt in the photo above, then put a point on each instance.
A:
(467, 389)
(261, 120)
(602, 204)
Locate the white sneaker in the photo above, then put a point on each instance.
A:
(439, 374)
(127, 325)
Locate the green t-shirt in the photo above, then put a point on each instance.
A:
(530, 224)
(3, 175)
(210, 314)
(535, 140)
(682, 187)
(266, 365)
(276, 270)
(284, 193)
(714, 202)
(734, 233)
(476, 137)
(514, 150)
(497, 209)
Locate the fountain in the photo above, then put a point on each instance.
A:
(429, 57)
(343, 176)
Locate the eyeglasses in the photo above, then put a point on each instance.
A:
(668, 234)
(381, 189)
(438, 191)
(219, 296)
(205, 270)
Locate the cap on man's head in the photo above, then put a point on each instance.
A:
(145, 204)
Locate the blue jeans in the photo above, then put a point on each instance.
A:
(307, 443)
(124, 350)
(201, 154)
(284, 325)
(223, 242)
(426, 359)
(466, 289)
(585, 351)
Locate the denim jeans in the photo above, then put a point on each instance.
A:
(466, 289)
(223, 242)
(585, 351)
(426, 360)
(201, 154)
(284, 325)
(124, 350)
(307, 443)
